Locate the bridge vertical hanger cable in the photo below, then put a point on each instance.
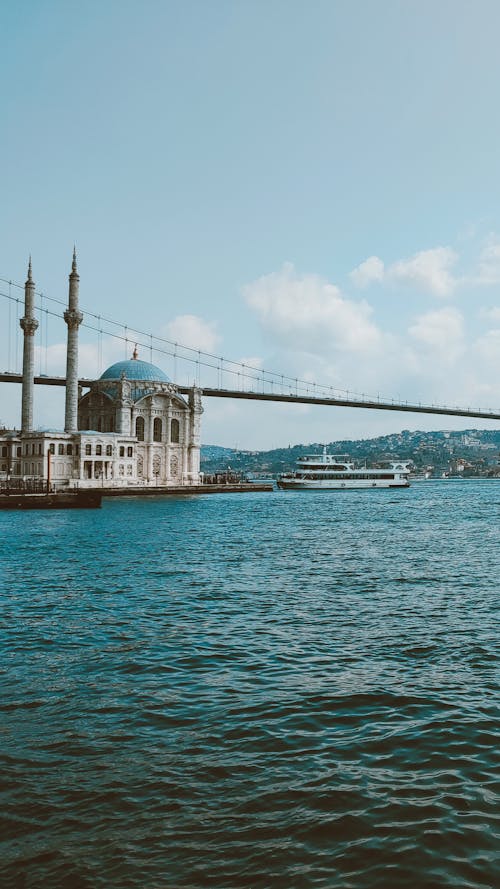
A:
(40, 347)
(18, 328)
(9, 328)
(46, 337)
(99, 345)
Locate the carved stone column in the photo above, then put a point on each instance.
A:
(167, 441)
(196, 410)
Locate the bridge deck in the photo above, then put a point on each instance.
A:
(294, 399)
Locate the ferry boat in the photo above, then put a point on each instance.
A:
(327, 472)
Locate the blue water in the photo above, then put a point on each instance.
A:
(264, 690)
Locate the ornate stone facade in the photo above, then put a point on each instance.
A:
(134, 400)
(132, 427)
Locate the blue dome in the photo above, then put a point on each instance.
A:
(135, 369)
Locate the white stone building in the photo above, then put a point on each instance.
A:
(131, 428)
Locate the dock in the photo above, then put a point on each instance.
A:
(59, 500)
(186, 490)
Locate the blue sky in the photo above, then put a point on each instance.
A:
(310, 185)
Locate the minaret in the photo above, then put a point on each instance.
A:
(73, 319)
(29, 325)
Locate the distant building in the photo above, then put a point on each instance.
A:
(132, 427)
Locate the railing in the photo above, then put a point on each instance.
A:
(222, 478)
(23, 486)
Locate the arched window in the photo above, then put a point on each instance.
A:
(139, 428)
(98, 450)
(157, 429)
(70, 450)
(174, 431)
(60, 449)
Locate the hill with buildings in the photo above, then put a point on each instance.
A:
(473, 452)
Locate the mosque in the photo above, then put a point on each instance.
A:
(131, 428)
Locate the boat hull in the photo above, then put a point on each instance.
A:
(338, 485)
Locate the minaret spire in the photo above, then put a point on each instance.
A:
(73, 318)
(29, 325)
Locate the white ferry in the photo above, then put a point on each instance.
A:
(327, 472)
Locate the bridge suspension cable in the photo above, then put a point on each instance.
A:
(241, 372)
(244, 372)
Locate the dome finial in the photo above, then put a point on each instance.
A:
(135, 353)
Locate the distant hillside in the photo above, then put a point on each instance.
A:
(470, 452)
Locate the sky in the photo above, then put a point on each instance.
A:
(308, 187)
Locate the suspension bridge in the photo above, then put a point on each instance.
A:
(213, 375)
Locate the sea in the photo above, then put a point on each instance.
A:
(286, 689)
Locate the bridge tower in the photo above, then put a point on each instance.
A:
(73, 318)
(29, 325)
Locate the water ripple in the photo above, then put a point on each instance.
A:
(277, 690)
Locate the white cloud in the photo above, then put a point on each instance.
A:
(441, 332)
(194, 332)
(372, 269)
(427, 270)
(307, 313)
(252, 362)
(490, 314)
(92, 358)
(487, 348)
(489, 263)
